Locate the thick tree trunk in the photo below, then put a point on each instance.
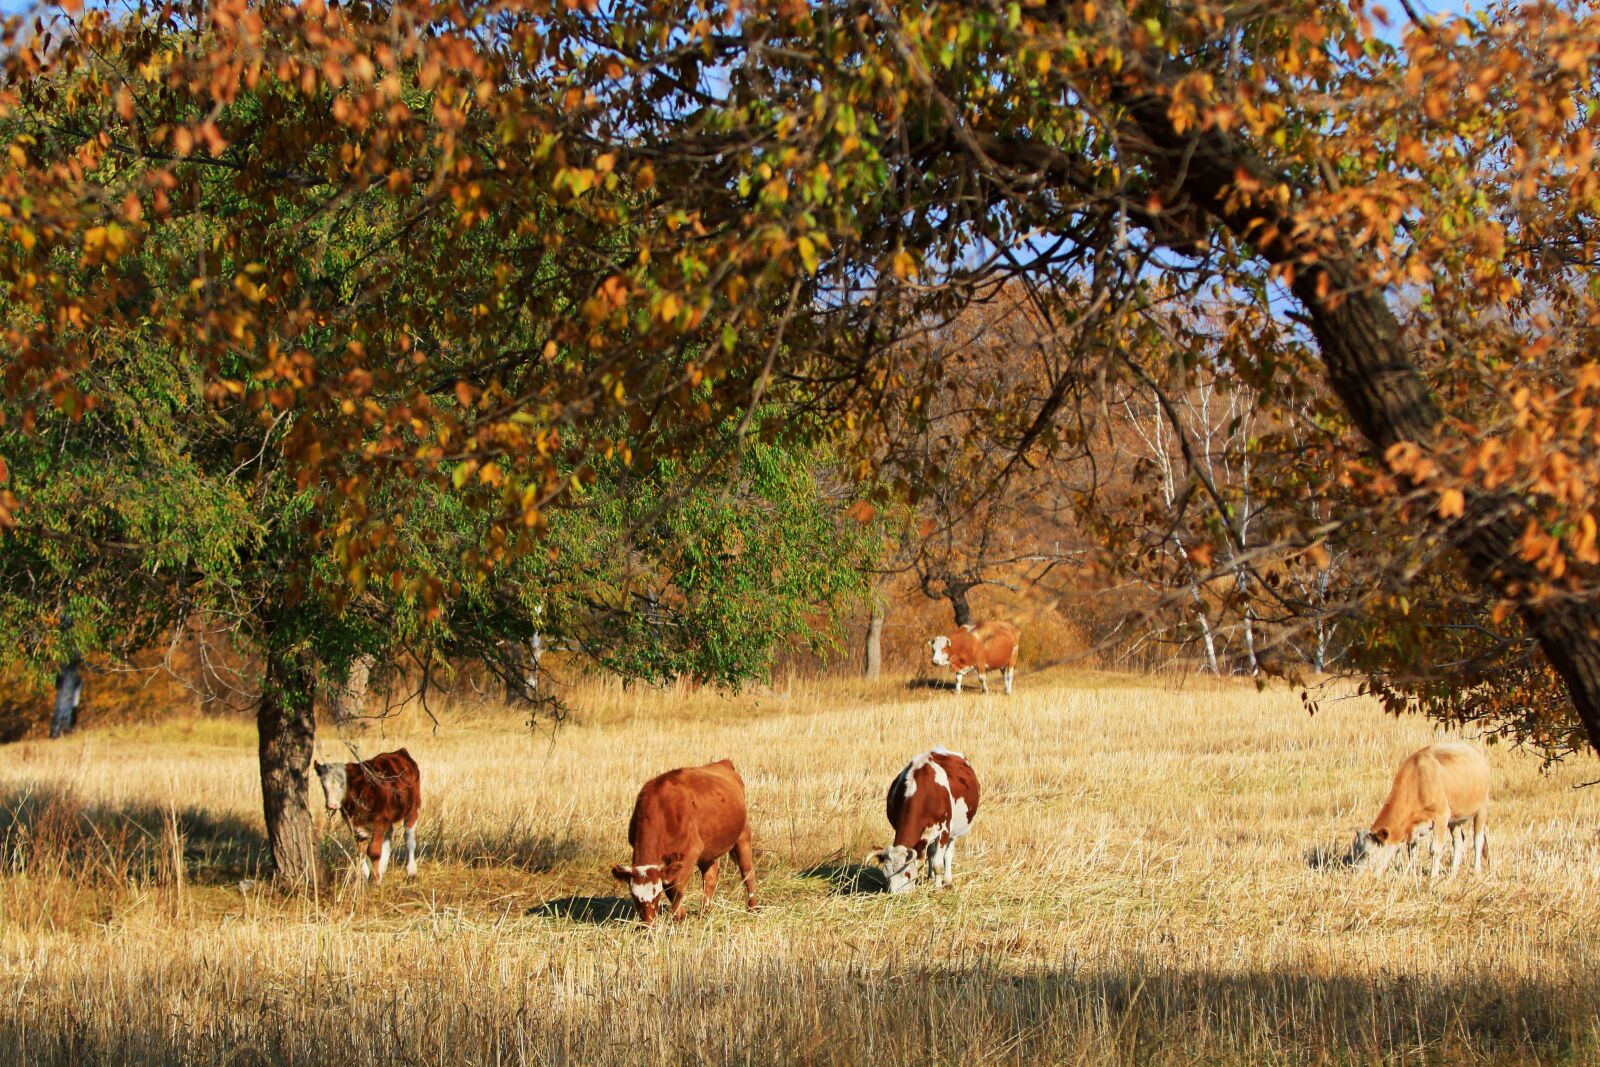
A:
(1372, 373)
(287, 731)
(350, 700)
(957, 595)
(874, 657)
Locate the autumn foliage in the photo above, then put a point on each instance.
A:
(363, 295)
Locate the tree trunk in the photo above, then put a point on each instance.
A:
(1371, 372)
(1206, 636)
(1251, 663)
(350, 700)
(69, 691)
(957, 595)
(287, 730)
(874, 664)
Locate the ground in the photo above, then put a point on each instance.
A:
(1149, 880)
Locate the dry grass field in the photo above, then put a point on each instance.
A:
(1147, 882)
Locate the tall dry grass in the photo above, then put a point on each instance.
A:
(1147, 882)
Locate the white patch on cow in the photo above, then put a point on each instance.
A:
(908, 780)
(646, 884)
(333, 783)
(941, 651)
(909, 775)
(383, 858)
(960, 821)
(411, 851)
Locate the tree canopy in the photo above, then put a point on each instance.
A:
(423, 259)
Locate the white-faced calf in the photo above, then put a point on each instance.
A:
(685, 820)
(931, 803)
(981, 648)
(372, 796)
(1437, 789)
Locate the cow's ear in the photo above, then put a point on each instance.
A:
(874, 858)
(316, 767)
(621, 873)
(1381, 835)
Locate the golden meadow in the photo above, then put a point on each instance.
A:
(1151, 879)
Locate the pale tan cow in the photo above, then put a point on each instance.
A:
(1437, 789)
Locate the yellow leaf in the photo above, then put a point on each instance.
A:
(1451, 504)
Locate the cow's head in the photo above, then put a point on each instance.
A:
(1374, 848)
(940, 647)
(647, 884)
(898, 864)
(333, 783)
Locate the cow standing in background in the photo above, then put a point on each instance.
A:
(931, 803)
(1437, 789)
(372, 796)
(686, 819)
(982, 648)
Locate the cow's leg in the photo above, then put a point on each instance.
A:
(1436, 840)
(1480, 840)
(1458, 848)
(744, 856)
(708, 875)
(1010, 671)
(411, 849)
(948, 856)
(676, 880)
(378, 850)
(983, 679)
(959, 675)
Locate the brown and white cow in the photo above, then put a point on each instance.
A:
(931, 803)
(1437, 789)
(372, 796)
(981, 648)
(686, 819)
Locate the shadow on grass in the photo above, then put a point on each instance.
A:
(1143, 1012)
(594, 911)
(848, 879)
(54, 824)
(944, 685)
(1334, 857)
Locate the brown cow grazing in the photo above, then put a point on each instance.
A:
(981, 648)
(685, 819)
(931, 803)
(1437, 789)
(373, 796)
